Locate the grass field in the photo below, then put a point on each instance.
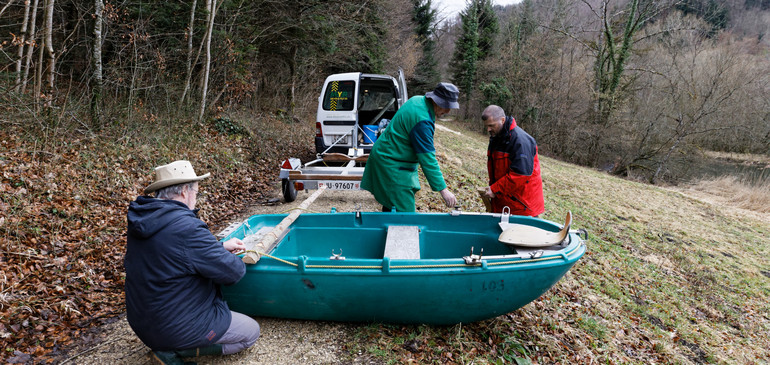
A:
(667, 278)
(670, 276)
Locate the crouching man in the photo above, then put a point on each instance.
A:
(174, 267)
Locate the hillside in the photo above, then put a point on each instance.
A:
(667, 278)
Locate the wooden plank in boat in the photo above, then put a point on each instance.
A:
(403, 243)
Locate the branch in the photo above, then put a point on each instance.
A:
(565, 33)
(6, 7)
(667, 30)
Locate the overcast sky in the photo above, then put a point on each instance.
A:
(454, 7)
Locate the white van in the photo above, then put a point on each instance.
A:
(351, 108)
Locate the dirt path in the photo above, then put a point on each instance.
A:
(282, 341)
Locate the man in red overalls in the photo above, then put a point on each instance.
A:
(513, 165)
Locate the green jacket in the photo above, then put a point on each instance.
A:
(406, 142)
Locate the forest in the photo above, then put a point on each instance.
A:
(641, 89)
(638, 88)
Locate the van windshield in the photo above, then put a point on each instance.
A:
(339, 96)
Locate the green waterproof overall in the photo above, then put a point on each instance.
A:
(391, 170)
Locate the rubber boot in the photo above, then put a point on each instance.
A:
(169, 358)
(215, 349)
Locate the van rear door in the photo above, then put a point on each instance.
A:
(337, 113)
(402, 87)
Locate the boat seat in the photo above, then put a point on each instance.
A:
(403, 243)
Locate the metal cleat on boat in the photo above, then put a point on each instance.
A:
(337, 256)
(473, 259)
(536, 254)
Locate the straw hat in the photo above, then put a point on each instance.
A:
(177, 172)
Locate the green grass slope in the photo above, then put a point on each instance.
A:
(666, 278)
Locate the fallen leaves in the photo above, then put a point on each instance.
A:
(62, 223)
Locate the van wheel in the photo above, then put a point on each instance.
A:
(288, 190)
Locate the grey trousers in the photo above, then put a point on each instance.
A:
(242, 334)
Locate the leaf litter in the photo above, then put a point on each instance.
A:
(667, 278)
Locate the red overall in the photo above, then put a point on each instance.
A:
(514, 171)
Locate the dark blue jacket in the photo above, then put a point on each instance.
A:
(174, 267)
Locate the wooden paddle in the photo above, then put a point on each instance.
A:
(529, 236)
(271, 239)
(485, 199)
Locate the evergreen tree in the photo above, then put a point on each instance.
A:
(476, 42)
(488, 27)
(464, 63)
(713, 12)
(426, 75)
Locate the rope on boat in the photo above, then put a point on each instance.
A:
(379, 267)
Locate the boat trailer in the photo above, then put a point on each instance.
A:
(333, 171)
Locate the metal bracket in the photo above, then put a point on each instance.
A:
(536, 254)
(506, 213)
(358, 210)
(473, 259)
(336, 256)
(228, 230)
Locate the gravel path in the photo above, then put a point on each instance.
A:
(281, 342)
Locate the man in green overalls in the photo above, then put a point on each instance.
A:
(391, 170)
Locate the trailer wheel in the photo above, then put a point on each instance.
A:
(288, 190)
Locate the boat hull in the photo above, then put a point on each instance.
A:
(303, 279)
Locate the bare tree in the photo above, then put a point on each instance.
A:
(211, 6)
(22, 43)
(49, 43)
(30, 47)
(618, 25)
(692, 89)
(97, 89)
(190, 63)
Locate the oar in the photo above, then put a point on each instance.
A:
(529, 236)
(271, 239)
(485, 199)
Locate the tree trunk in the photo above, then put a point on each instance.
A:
(22, 43)
(293, 76)
(211, 7)
(38, 85)
(97, 88)
(49, 45)
(190, 33)
(30, 48)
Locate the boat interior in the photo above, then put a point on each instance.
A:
(397, 236)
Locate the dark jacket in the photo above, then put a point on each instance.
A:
(514, 171)
(174, 267)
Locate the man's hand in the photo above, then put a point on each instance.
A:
(489, 193)
(449, 198)
(234, 245)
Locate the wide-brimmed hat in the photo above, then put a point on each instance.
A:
(445, 95)
(177, 172)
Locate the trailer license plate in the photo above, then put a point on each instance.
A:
(340, 185)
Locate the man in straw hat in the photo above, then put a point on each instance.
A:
(391, 170)
(174, 267)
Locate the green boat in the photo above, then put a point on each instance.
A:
(433, 268)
